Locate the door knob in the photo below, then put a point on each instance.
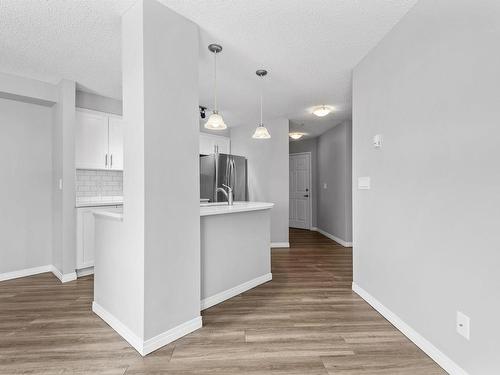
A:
(306, 196)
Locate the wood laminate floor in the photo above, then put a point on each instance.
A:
(305, 321)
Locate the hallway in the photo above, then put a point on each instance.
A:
(305, 321)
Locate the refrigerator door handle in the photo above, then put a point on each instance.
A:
(229, 171)
(234, 174)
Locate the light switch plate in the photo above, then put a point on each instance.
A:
(60, 184)
(463, 325)
(325, 185)
(363, 183)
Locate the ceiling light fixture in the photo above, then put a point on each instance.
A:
(322, 110)
(296, 135)
(261, 132)
(215, 121)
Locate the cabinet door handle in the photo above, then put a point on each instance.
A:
(106, 160)
(111, 160)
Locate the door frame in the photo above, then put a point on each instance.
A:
(310, 182)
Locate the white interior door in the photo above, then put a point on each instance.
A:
(300, 190)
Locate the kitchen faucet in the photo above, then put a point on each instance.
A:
(228, 193)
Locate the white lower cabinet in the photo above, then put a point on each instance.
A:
(85, 234)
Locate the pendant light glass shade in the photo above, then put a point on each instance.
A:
(215, 121)
(261, 132)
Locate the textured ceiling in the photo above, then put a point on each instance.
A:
(309, 48)
(74, 39)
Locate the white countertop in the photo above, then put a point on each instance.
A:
(207, 209)
(111, 215)
(99, 201)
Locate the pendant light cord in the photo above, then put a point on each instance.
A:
(215, 81)
(261, 94)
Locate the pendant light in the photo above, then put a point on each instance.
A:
(215, 121)
(261, 132)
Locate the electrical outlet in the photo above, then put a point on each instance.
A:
(463, 325)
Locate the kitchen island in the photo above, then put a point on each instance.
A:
(235, 249)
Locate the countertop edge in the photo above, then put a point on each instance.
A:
(224, 210)
(116, 216)
(98, 204)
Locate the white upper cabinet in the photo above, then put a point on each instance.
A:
(115, 143)
(91, 140)
(98, 141)
(208, 142)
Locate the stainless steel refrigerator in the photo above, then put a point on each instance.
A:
(218, 169)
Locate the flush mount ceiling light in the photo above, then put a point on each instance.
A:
(215, 121)
(261, 132)
(322, 110)
(295, 135)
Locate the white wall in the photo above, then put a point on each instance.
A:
(27, 90)
(171, 148)
(334, 169)
(32, 99)
(26, 185)
(156, 273)
(426, 238)
(267, 170)
(63, 168)
(119, 273)
(232, 258)
(98, 103)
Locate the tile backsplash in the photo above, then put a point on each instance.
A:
(93, 183)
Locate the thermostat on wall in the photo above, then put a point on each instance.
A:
(377, 141)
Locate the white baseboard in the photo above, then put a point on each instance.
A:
(332, 237)
(26, 272)
(314, 229)
(119, 327)
(173, 334)
(280, 244)
(225, 295)
(148, 346)
(439, 357)
(64, 278)
(85, 272)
